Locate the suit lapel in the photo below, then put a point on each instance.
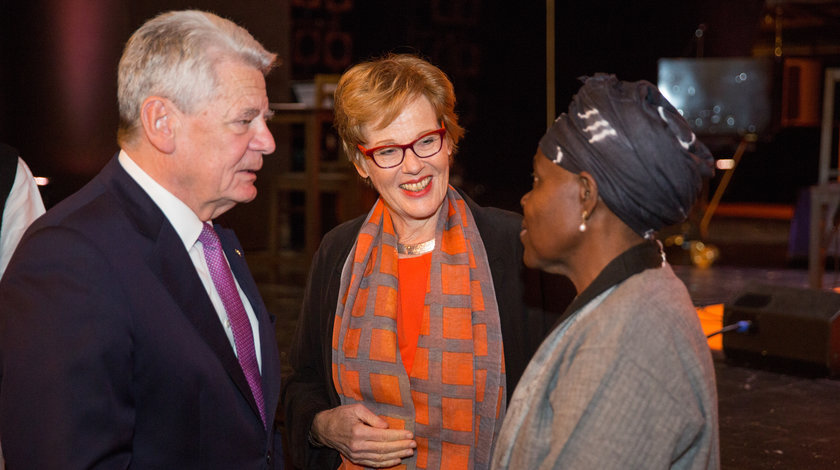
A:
(268, 342)
(233, 252)
(176, 271)
(172, 264)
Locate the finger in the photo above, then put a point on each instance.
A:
(372, 464)
(362, 432)
(363, 448)
(370, 418)
(389, 463)
(381, 460)
(393, 447)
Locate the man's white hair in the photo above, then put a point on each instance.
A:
(174, 55)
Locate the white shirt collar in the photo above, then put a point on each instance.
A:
(183, 219)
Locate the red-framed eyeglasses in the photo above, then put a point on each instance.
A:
(389, 156)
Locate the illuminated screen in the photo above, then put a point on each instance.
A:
(720, 96)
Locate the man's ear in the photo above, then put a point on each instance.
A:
(158, 118)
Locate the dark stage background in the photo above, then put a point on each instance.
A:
(59, 57)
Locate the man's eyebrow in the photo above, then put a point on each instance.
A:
(250, 113)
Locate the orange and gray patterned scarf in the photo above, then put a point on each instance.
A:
(455, 398)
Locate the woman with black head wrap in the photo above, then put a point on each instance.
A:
(626, 379)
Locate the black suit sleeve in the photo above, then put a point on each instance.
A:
(65, 398)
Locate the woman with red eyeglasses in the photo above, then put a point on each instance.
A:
(414, 331)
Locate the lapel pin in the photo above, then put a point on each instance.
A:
(239, 253)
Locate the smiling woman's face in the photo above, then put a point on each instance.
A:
(415, 189)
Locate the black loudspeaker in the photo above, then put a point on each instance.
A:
(789, 327)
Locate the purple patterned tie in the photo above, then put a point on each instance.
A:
(243, 337)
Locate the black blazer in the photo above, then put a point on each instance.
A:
(111, 353)
(524, 322)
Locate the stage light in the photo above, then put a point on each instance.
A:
(725, 164)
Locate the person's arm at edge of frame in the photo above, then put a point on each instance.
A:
(23, 205)
(80, 340)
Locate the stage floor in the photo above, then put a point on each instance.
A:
(769, 418)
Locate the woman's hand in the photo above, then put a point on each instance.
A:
(362, 436)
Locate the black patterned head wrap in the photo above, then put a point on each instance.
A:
(648, 164)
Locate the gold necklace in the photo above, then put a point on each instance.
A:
(417, 249)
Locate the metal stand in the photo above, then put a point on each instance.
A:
(825, 196)
(724, 182)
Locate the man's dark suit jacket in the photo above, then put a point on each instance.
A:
(112, 354)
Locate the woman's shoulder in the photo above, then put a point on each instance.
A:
(503, 217)
(651, 308)
(489, 218)
(340, 231)
(661, 287)
(340, 238)
(649, 297)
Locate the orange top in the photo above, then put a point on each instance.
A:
(414, 277)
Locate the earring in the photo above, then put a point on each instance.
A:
(582, 226)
